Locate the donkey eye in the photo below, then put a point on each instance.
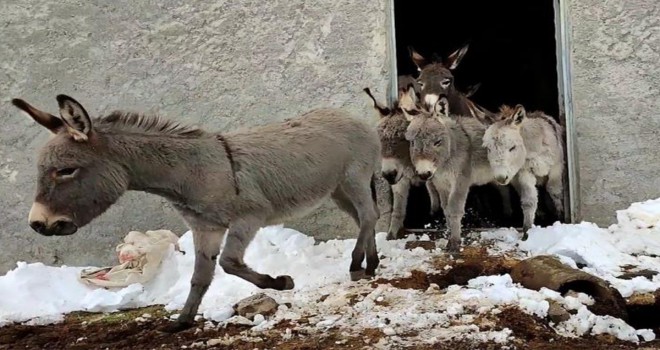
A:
(66, 172)
(446, 82)
(437, 143)
(512, 148)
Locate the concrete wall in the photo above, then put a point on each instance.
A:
(616, 95)
(217, 63)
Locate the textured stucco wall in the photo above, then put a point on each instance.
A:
(616, 95)
(219, 64)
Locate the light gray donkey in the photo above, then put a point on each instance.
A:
(396, 165)
(232, 183)
(448, 152)
(526, 149)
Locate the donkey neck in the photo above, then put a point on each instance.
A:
(458, 104)
(168, 166)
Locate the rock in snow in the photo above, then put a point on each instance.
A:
(257, 304)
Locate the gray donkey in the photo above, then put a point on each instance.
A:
(526, 149)
(448, 152)
(396, 166)
(232, 183)
(436, 79)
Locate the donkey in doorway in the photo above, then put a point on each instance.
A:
(526, 149)
(436, 79)
(396, 165)
(231, 183)
(448, 152)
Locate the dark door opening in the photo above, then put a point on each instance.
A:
(512, 54)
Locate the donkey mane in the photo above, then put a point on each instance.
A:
(140, 123)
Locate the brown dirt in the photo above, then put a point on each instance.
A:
(529, 333)
(122, 331)
(474, 262)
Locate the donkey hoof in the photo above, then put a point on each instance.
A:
(176, 327)
(391, 236)
(453, 246)
(284, 282)
(360, 275)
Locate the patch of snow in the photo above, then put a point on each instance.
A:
(39, 294)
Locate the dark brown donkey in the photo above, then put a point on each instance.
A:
(231, 183)
(436, 80)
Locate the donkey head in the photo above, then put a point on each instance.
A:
(392, 126)
(429, 137)
(76, 183)
(504, 142)
(435, 77)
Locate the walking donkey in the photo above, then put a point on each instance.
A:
(233, 183)
(448, 151)
(526, 149)
(396, 166)
(435, 80)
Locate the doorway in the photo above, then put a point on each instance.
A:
(513, 56)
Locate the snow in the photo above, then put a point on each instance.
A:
(40, 294)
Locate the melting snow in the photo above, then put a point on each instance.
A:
(38, 294)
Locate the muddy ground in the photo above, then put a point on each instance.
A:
(129, 330)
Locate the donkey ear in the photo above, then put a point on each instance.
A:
(383, 111)
(417, 59)
(408, 99)
(519, 115)
(47, 120)
(455, 58)
(77, 121)
(441, 108)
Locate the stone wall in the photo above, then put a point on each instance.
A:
(616, 101)
(220, 64)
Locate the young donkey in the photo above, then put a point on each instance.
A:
(526, 149)
(448, 152)
(396, 165)
(435, 80)
(235, 182)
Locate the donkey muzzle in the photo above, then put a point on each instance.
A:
(392, 177)
(58, 228)
(424, 175)
(502, 179)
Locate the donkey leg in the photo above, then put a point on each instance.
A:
(344, 203)
(555, 188)
(239, 236)
(434, 197)
(525, 184)
(400, 193)
(207, 247)
(455, 213)
(359, 193)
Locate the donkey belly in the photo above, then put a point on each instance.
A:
(296, 211)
